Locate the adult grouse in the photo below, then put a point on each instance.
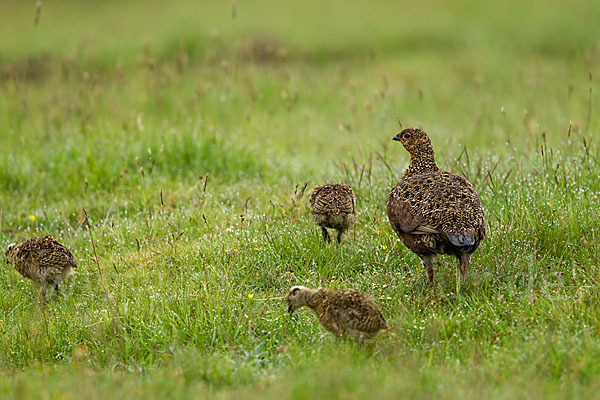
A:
(433, 211)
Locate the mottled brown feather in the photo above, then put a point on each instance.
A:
(434, 211)
(42, 259)
(332, 198)
(333, 205)
(342, 312)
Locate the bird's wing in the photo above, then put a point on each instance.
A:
(464, 222)
(321, 205)
(359, 313)
(345, 201)
(424, 230)
(404, 218)
(314, 193)
(320, 202)
(332, 198)
(437, 204)
(55, 256)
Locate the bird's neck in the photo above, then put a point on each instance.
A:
(314, 297)
(422, 162)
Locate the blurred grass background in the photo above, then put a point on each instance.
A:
(171, 121)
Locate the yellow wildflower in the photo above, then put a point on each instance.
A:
(250, 296)
(32, 218)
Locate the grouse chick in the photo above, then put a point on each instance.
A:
(43, 260)
(342, 312)
(433, 211)
(332, 205)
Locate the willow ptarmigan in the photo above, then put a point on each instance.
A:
(433, 211)
(43, 260)
(332, 205)
(342, 312)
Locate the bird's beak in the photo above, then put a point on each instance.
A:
(396, 138)
(290, 309)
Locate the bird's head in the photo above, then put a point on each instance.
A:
(415, 141)
(297, 297)
(9, 249)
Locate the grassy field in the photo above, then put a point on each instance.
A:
(192, 134)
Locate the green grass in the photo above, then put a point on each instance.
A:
(188, 136)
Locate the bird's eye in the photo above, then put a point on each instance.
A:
(406, 136)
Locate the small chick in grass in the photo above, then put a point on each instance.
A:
(332, 205)
(342, 312)
(43, 260)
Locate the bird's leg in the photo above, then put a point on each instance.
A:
(56, 288)
(429, 270)
(325, 234)
(428, 264)
(42, 295)
(339, 237)
(464, 265)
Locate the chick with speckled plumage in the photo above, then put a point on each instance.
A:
(43, 260)
(345, 313)
(434, 211)
(333, 206)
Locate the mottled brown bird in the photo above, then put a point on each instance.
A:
(434, 211)
(43, 260)
(342, 312)
(332, 205)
